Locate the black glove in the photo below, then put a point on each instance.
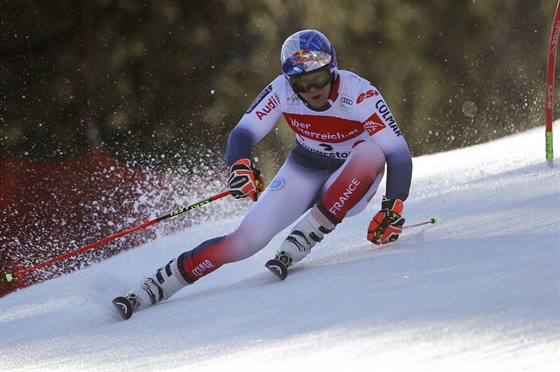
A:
(245, 180)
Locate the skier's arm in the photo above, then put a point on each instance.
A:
(240, 143)
(379, 122)
(256, 123)
(399, 171)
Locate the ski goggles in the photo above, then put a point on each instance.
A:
(319, 79)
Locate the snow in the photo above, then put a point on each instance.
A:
(478, 291)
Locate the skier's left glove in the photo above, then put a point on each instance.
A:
(386, 225)
(245, 180)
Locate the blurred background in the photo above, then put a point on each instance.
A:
(116, 110)
(156, 82)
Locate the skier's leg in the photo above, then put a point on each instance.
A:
(289, 195)
(348, 190)
(166, 281)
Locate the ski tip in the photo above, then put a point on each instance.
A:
(278, 268)
(123, 306)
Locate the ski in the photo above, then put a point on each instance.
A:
(124, 307)
(278, 268)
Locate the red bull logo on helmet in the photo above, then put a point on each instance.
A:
(307, 57)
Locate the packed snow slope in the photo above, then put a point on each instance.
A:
(477, 292)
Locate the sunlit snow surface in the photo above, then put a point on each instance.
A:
(477, 292)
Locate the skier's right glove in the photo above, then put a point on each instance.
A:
(386, 225)
(245, 180)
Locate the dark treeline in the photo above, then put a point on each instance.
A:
(161, 83)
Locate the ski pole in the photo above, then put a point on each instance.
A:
(10, 277)
(431, 221)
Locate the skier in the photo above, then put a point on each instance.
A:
(345, 136)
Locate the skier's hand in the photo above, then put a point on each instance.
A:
(386, 225)
(245, 180)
